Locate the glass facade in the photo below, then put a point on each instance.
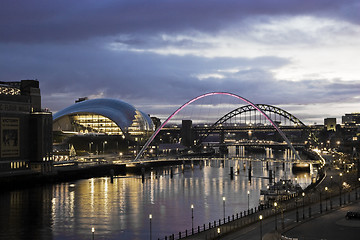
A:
(104, 117)
(94, 123)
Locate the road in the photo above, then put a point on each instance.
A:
(305, 223)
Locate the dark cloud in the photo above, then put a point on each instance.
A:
(68, 20)
(66, 46)
(69, 72)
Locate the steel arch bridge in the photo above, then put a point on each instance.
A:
(211, 94)
(263, 107)
(250, 108)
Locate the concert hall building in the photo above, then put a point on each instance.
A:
(100, 126)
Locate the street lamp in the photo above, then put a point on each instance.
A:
(150, 217)
(90, 143)
(326, 189)
(93, 233)
(320, 202)
(248, 194)
(356, 196)
(303, 194)
(192, 217)
(260, 217)
(297, 209)
(224, 207)
(105, 142)
(340, 198)
(275, 205)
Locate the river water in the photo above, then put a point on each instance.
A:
(120, 210)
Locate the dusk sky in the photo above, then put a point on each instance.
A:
(300, 55)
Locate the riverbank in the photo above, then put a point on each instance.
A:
(330, 195)
(28, 178)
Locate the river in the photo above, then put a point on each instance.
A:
(120, 210)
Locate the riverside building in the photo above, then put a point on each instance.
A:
(25, 129)
(100, 126)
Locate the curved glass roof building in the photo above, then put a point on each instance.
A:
(103, 117)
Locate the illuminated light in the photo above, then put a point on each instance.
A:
(224, 198)
(150, 216)
(303, 194)
(92, 230)
(261, 217)
(218, 230)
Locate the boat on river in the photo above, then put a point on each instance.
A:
(281, 190)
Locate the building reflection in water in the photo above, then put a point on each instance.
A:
(26, 214)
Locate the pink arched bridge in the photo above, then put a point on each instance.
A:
(211, 94)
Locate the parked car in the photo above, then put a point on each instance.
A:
(352, 215)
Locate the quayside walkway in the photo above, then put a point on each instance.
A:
(333, 195)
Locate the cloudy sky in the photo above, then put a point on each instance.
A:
(301, 55)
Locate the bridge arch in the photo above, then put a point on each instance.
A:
(264, 108)
(248, 108)
(211, 94)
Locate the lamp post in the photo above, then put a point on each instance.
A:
(340, 188)
(275, 205)
(330, 199)
(150, 217)
(192, 217)
(224, 207)
(93, 233)
(248, 195)
(297, 209)
(357, 188)
(90, 143)
(105, 142)
(326, 189)
(260, 217)
(320, 202)
(303, 194)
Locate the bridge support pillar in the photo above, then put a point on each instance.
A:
(142, 175)
(249, 174)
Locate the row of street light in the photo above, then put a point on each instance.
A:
(260, 216)
(192, 216)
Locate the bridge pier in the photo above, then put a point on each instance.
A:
(249, 174)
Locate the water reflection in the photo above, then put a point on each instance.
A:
(121, 210)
